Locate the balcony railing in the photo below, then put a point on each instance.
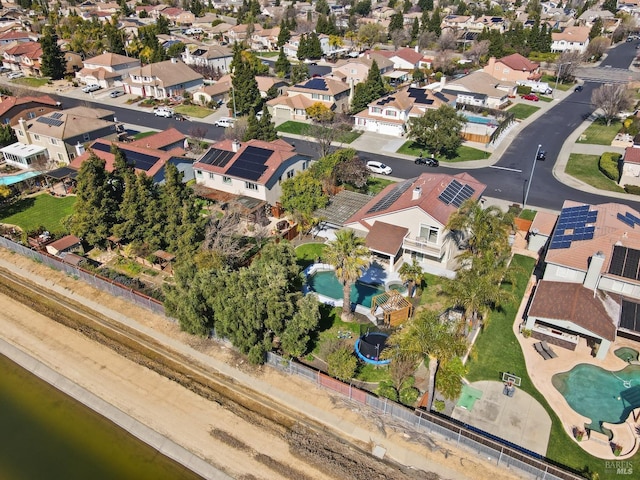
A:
(420, 244)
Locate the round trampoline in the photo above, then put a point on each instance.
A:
(369, 347)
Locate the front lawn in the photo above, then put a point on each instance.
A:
(193, 111)
(41, 210)
(522, 111)
(585, 168)
(497, 350)
(598, 133)
(463, 154)
(30, 82)
(551, 80)
(296, 128)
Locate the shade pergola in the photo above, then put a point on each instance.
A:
(165, 257)
(395, 308)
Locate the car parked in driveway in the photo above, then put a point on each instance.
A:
(530, 96)
(428, 161)
(378, 167)
(116, 93)
(91, 88)
(14, 75)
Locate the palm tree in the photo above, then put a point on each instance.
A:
(411, 274)
(348, 254)
(483, 231)
(427, 337)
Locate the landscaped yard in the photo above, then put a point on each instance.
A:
(308, 253)
(585, 168)
(31, 82)
(522, 110)
(598, 133)
(497, 350)
(193, 111)
(301, 128)
(41, 210)
(551, 80)
(464, 153)
(140, 135)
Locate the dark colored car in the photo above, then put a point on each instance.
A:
(578, 88)
(428, 161)
(179, 117)
(542, 155)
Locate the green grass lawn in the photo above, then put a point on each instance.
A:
(545, 99)
(527, 214)
(497, 350)
(463, 154)
(41, 210)
(522, 110)
(140, 135)
(598, 133)
(349, 137)
(308, 253)
(551, 80)
(193, 111)
(585, 168)
(297, 128)
(268, 54)
(31, 82)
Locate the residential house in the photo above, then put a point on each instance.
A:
(592, 275)
(217, 92)
(589, 16)
(407, 220)
(107, 69)
(480, 89)
(574, 39)
(487, 22)
(23, 57)
(266, 39)
(144, 154)
(630, 159)
(404, 59)
(390, 114)
(457, 23)
(383, 13)
(29, 107)
(252, 169)
(267, 83)
(356, 70)
(513, 68)
(74, 62)
(17, 36)
(162, 80)
(178, 16)
(333, 94)
(238, 33)
(215, 57)
(68, 243)
(61, 133)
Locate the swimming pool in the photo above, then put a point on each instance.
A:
(481, 120)
(327, 284)
(11, 179)
(599, 394)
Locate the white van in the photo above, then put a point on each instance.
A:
(224, 122)
(163, 112)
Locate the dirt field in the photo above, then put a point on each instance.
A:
(244, 446)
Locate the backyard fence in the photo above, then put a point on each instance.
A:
(504, 454)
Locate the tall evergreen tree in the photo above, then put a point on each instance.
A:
(285, 34)
(302, 47)
(253, 129)
(268, 131)
(53, 63)
(314, 49)
(415, 29)
(435, 22)
(245, 85)
(396, 22)
(282, 65)
(596, 28)
(425, 5)
(162, 25)
(372, 88)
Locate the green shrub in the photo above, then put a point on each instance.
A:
(608, 165)
(523, 90)
(632, 189)
(438, 405)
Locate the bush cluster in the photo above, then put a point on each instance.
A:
(608, 165)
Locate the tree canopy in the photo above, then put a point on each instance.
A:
(438, 131)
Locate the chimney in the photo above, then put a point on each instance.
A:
(235, 146)
(79, 149)
(417, 193)
(593, 272)
(443, 81)
(416, 48)
(24, 138)
(492, 62)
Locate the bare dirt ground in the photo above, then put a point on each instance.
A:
(244, 447)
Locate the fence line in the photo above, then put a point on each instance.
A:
(508, 456)
(504, 454)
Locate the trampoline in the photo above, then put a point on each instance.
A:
(369, 347)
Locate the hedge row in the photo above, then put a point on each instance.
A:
(608, 165)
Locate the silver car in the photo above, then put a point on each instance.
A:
(379, 167)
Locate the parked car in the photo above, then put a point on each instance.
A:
(378, 167)
(91, 88)
(179, 117)
(163, 112)
(116, 93)
(542, 155)
(224, 122)
(14, 75)
(579, 88)
(530, 96)
(428, 161)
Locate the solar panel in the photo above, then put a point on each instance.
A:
(141, 161)
(617, 260)
(592, 217)
(572, 226)
(463, 195)
(216, 157)
(456, 193)
(53, 122)
(250, 165)
(626, 220)
(316, 84)
(633, 218)
(390, 198)
(56, 115)
(630, 316)
(631, 263)
(101, 147)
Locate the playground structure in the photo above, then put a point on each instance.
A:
(369, 347)
(392, 308)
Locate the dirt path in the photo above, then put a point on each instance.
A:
(242, 447)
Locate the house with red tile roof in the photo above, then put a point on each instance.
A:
(631, 161)
(403, 59)
(107, 69)
(252, 169)
(512, 68)
(13, 108)
(407, 220)
(17, 36)
(23, 57)
(590, 288)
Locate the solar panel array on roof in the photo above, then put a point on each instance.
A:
(456, 193)
(391, 196)
(629, 219)
(385, 101)
(625, 262)
(56, 115)
(574, 225)
(250, 165)
(141, 161)
(630, 317)
(53, 122)
(420, 96)
(216, 157)
(316, 84)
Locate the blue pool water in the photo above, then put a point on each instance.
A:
(327, 284)
(599, 394)
(481, 120)
(17, 178)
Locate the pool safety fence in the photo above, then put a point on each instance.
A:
(502, 452)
